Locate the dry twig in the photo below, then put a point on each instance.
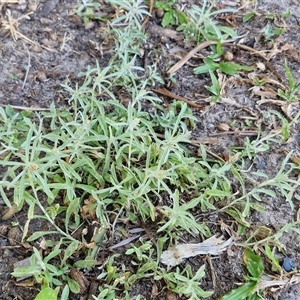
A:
(27, 70)
(148, 17)
(10, 26)
(169, 94)
(26, 108)
(203, 45)
(238, 132)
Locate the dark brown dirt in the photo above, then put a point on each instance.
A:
(63, 48)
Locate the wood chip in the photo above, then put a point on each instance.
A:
(223, 127)
(213, 246)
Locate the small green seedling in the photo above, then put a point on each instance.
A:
(285, 126)
(249, 16)
(13, 77)
(227, 67)
(274, 260)
(270, 16)
(286, 14)
(255, 267)
(258, 82)
(290, 94)
(86, 10)
(172, 16)
(270, 32)
(211, 64)
(184, 282)
(201, 25)
(215, 88)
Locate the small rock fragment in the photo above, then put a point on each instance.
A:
(288, 265)
(41, 76)
(260, 163)
(36, 48)
(46, 21)
(48, 42)
(287, 298)
(228, 56)
(89, 25)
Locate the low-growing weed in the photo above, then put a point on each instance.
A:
(185, 282)
(270, 32)
(86, 10)
(202, 26)
(213, 65)
(290, 94)
(255, 267)
(172, 16)
(256, 263)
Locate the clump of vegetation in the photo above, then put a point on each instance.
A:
(291, 93)
(87, 10)
(171, 15)
(202, 26)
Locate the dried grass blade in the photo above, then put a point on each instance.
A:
(169, 94)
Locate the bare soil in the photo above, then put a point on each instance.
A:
(61, 47)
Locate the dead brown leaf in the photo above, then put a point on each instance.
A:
(88, 210)
(10, 212)
(26, 283)
(294, 159)
(291, 51)
(263, 92)
(14, 236)
(80, 279)
(171, 296)
(162, 32)
(154, 291)
(272, 101)
(295, 279)
(223, 127)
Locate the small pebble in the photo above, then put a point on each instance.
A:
(260, 163)
(288, 265)
(159, 13)
(297, 139)
(228, 56)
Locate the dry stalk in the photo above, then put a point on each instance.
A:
(10, 26)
